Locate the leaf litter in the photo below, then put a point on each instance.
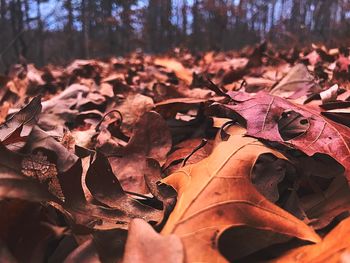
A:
(214, 157)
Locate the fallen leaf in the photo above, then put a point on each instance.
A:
(105, 188)
(134, 107)
(267, 173)
(263, 113)
(86, 252)
(151, 139)
(175, 66)
(5, 254)
(19, 126)
(335, 247)
(329, 94)
(14, 185)
(142, 240)
(298, 82)
(216, 195)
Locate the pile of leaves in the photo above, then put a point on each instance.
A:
(216, 157)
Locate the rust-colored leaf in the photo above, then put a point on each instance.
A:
(335, 247)
(151, 138)
(19, 126)
(216, 195)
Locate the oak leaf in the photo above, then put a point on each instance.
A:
(335, 247)
(18, 127)
(216, 195)
(264, 113)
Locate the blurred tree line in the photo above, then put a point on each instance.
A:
(44, 31)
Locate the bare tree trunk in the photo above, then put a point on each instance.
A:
(110, 37)
(127, 29)
(16, 16)
(3, 10)
(40, 35)
(272, 17)
(165, 23)
(70, 47)
(152, 25)
(196, 31)
(85, 29)
(184, 20)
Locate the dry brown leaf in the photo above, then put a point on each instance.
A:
(143, 241)
(296, 83)
(4, 109)
(134, 107)
(19, 126)
(151, 138)
(216, 195)
(334, 248)
(189, 150)
(176, 66)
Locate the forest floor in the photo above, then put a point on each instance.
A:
(214, 157)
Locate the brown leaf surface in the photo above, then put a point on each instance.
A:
(175, 66)
(239, 199)
(19, 126)
(143, 240)
(298, 82)
(334, 248)
(216, 195)
(106, 189)
(151, 139)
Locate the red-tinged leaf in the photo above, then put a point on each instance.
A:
(264, 112)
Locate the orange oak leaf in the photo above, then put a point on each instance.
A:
(216, 195)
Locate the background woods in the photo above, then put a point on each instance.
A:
(46, 31)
